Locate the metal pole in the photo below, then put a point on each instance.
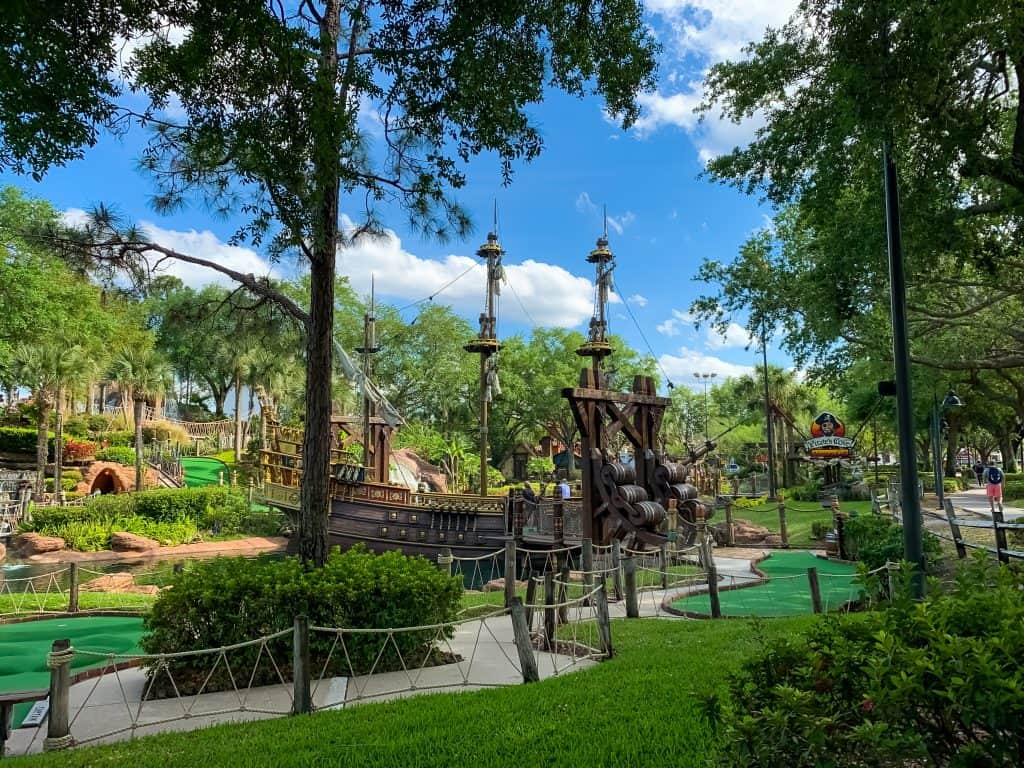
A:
(913, 548)
(937, 450)
(772, 490)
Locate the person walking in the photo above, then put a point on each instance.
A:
(528, 494)
(563, 487)
(979, 471)
(994, 486)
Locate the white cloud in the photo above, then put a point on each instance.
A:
(536, 292)
(638, 300)
(204, 245)
(735, 337)
(672, 326)
(681, 367)
(584, 204)
(619, 223)
(698, 34)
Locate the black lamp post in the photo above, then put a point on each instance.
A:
(706, 377)
(949, 401)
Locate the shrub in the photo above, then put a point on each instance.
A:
(809, 491)
(877, 540)
(114, 439)
(539, 466)
(163, 431)
(935, 683)
(21, 440)
(225, 601)
(819, 529)
(1013, 489)
(119, 454)
(93, 534)
(79, 450)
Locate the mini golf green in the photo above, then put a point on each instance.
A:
(23, 649)
(203, 470)
(786, 591)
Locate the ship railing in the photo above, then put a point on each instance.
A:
(459, 502)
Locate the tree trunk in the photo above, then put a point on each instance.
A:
(789, 478)
(139, 477)
(89, 388)
(220, 396)
(1006, 448)
(58, 443)
(238, 417)
(41, 447)
(952, 446)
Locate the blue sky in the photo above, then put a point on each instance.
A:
(663, 218)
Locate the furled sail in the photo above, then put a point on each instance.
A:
(366, 387)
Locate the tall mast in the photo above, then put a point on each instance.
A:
(597, 346)
(369, 348)
(486, 342)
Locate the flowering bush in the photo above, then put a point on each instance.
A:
(79, 450)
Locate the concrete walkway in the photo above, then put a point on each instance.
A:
(976, 503)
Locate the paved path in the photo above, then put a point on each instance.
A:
(975, 502)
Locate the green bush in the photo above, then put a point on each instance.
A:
(115, 439)
(936, 683)
(93, 534)
(949, 484)
(205, 506)
(1013, 489)
(809, 491)
(225, 601)
(539, 466)
(119, 454)
(876, 540)
(22, 440)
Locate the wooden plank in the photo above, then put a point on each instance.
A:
(954, 529)
(582, 393)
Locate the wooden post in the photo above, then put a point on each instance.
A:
(841, 536)
(558, 523)
(954, 529)
(663, 563)
(445, 560)
(730, 528)
(518, 514)
(588, 561)
(252, 491)
(604, 623)
(1001, 546)
(220, 477)
(234, 477)
(510, 570)
(617, 568)
(521, 632)
(812, 579)
(549, 611)
(629, 573)
(302, 701)
(531, 599)
(563, 592)
(783, 533)
(73, 588)
(712, 569)
(58, 729)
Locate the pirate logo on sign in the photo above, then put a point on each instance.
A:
(828, 439)
(827, 425)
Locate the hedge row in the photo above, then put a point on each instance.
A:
(225, 601)
(220, 507)
(22, 440)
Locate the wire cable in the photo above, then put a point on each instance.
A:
(643, 336)
(444, 287)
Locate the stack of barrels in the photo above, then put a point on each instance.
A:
(631, 500)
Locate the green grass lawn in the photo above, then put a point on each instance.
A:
(800, 515)
(640, 709)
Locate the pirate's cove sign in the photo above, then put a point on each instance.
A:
(828, 439)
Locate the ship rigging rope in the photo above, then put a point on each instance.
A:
(643, 336)
(533, 323)
(444, 287)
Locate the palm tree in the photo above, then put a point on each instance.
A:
(35, 368)
(143, 374)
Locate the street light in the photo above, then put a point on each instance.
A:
(705, 377)
(949, 401)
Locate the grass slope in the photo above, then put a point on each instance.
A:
(640, 709)
(800, 515)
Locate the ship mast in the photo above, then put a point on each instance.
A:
(486, 342)
(597, 346)
(367, 350)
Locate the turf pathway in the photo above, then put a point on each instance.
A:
(24, 645)
(203, 470)
(786, 592)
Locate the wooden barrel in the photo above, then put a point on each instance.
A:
(648, 514)
(670, 473)
(683, 492)
(619, 473)
(632, 494)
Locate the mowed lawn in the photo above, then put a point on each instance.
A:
(800, 516)
(640, 709)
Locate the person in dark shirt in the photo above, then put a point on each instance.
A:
(528, 494)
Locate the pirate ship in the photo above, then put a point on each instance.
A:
(644, 501)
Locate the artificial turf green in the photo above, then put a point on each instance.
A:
(642, 708)
(786, 592)
(23, 648)
(203, 470)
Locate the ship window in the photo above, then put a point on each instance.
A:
(383, 530)
(422, 535)
(461, 537)
(441, 536)
(413, 518)
(402, 532)
(394, 515)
